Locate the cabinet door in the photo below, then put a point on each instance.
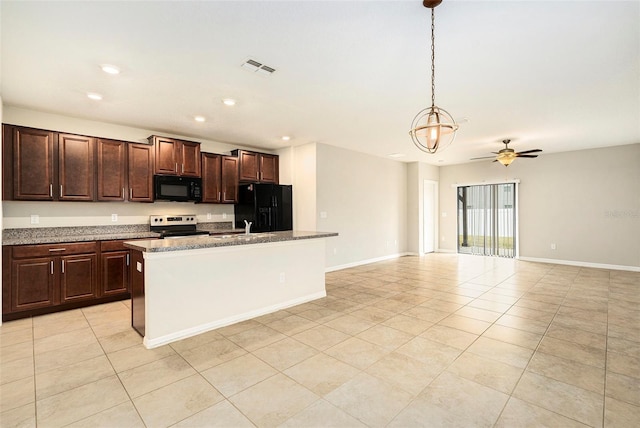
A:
(78, 277)
(111, 170)
(115, 273)
(32, 283)
(140, 174)
(249, 166)
(33, 164)
(190, 159)
(229, 180)
(167, 151)
(269, 169)
(76, 167)
(211, 189)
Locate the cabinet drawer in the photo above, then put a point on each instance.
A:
(106, 246)
(24, 251)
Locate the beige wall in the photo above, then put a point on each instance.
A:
(365, 201)
(586, 202)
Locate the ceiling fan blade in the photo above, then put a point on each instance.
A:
(526, 156)
(529, 151)
(486, 157)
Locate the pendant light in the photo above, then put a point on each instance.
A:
(433, 127)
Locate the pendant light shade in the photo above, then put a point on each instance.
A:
(433, 127)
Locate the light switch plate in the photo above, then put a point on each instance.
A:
(114, 217)
(35, 219)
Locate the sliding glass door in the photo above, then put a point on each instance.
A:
(487, 219)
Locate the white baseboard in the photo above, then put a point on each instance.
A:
(366, 262)
(440, 250)
(581, 264)
(163, 340)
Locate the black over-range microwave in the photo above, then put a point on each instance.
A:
(181, 189)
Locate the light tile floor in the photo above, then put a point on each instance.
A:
(439, 340)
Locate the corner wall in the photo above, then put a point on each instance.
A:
(364, 199)
(586, 202)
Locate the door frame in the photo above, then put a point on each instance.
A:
(423, 207)
(516, 183)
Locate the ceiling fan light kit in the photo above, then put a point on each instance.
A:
(507, 155)
(433, 127)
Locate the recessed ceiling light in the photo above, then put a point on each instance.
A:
(110, 69)
(229, 102)
(199, 118)
(286, 138)
(94, 96)
(396, 155)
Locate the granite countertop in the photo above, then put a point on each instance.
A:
(164, 245)
(56, 235)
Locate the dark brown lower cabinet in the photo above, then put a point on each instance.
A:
(32, 284)
(39, 279)
(78, 277)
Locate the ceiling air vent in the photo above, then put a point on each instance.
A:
(257, 67)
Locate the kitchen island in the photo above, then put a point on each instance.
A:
(184, 287)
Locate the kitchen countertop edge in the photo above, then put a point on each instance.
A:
(167, 245)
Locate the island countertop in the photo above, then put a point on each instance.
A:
(194, 243)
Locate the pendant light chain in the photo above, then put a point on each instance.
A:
(433, 59)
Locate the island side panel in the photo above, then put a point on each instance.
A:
(193, 291)
(136, 270)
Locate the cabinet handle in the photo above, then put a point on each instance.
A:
(51, 264)
(51, 250)
(51, 190)
(127, 259)
(130, 193)
(63, 266)
(176, 166)
(61, 190)
(224, 196)
(123, 193)
(218, 195)
(183, 168)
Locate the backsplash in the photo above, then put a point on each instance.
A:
(40, 215)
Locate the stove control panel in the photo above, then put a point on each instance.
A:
(173, 220)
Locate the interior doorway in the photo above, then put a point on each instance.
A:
(429, 214)
(487, 220)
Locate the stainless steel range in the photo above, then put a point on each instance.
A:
(176, 226)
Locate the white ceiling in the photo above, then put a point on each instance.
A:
(555, 75)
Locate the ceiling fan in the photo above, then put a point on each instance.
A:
(508, 155)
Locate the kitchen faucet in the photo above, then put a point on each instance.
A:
(247, 227)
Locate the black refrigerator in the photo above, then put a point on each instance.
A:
(268, 206)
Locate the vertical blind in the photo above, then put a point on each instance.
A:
(487, 219)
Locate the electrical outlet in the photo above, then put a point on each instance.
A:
(282, 278)
(114, 217)
(224, 216)
(444, 214)
(553, 246)
(335, 251)
(323, 214)
(208, 216)
(35, 219)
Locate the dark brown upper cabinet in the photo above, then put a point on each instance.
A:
(112, 170)
(29, 163)
(229, 178)
(76, 167)
(140, 173)
(257, 167)
(176, 157)
(219, 179)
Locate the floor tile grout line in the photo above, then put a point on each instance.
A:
(529, 362)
